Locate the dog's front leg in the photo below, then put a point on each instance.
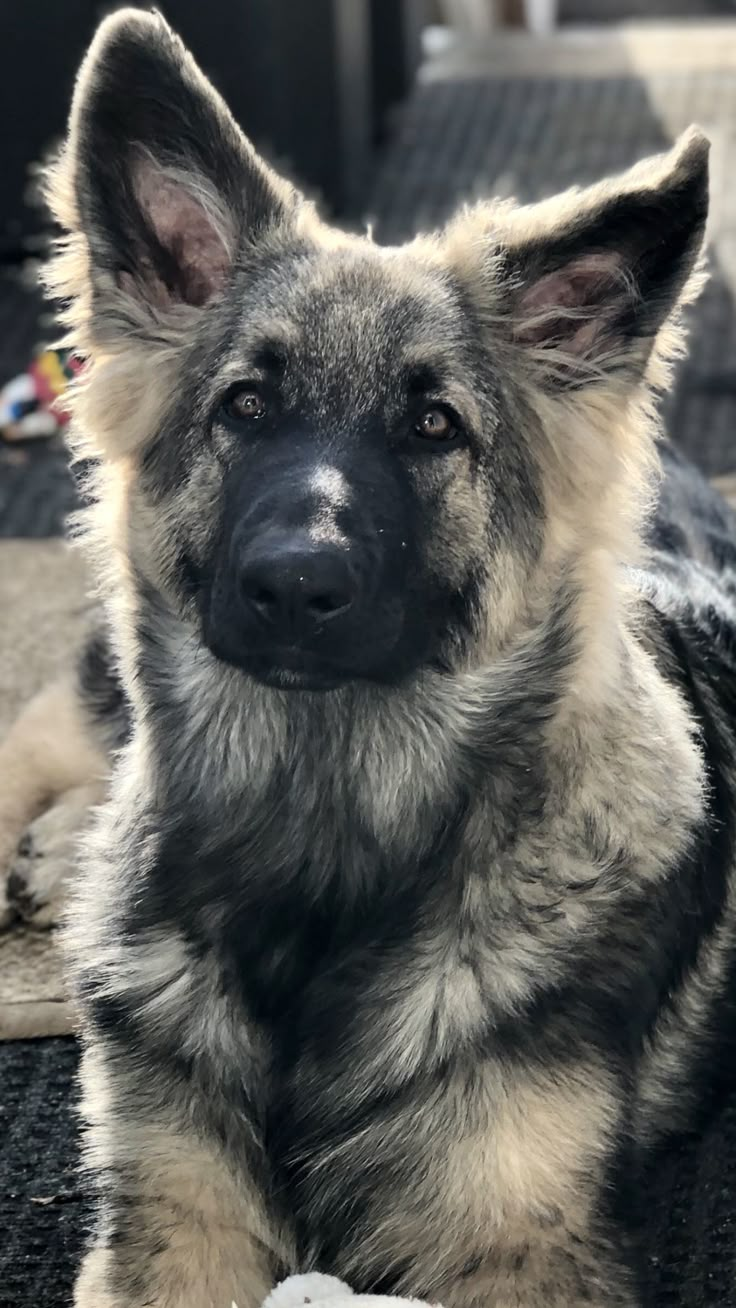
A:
(538, 1180)
(558, 1272)
(496, 1193)
(183, 1223)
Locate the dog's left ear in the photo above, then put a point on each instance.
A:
(157, 180)
(583, 282)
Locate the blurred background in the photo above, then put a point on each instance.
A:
(389, 112)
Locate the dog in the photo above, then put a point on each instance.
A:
(403, 937)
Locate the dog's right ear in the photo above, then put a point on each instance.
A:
(157, 185)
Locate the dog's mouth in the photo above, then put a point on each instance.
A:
(298, 674)
(290, 668)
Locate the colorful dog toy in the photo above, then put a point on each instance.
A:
(31, 404)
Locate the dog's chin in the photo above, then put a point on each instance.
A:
(311, 679)
(289, 670)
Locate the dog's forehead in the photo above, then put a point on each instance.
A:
(363, 313)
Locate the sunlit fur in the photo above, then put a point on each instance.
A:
(401, 980)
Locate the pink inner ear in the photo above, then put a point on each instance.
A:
(192, 236)
(571, 307)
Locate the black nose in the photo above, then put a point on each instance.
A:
(297, 589)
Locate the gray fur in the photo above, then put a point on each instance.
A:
(389, 978)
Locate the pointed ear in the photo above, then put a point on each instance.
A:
(585, 281)
(156, 179)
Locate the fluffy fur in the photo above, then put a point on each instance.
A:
(399, 970)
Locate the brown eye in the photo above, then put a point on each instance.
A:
(245, 404)
(436, 424)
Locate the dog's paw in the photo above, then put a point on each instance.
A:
(7, 912)
(8, 854)
(45, 859)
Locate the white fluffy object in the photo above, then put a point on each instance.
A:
(327, 1292)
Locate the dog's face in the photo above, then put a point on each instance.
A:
(349, 423)
(339, 461)
(348, 420)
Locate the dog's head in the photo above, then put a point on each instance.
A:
(341, 461)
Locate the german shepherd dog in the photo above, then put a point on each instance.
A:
(405, 935)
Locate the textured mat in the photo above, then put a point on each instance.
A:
(32, 994)
(36, 490)
(43, 1212)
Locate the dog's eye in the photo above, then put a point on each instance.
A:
(246, 404)
(437, 424)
